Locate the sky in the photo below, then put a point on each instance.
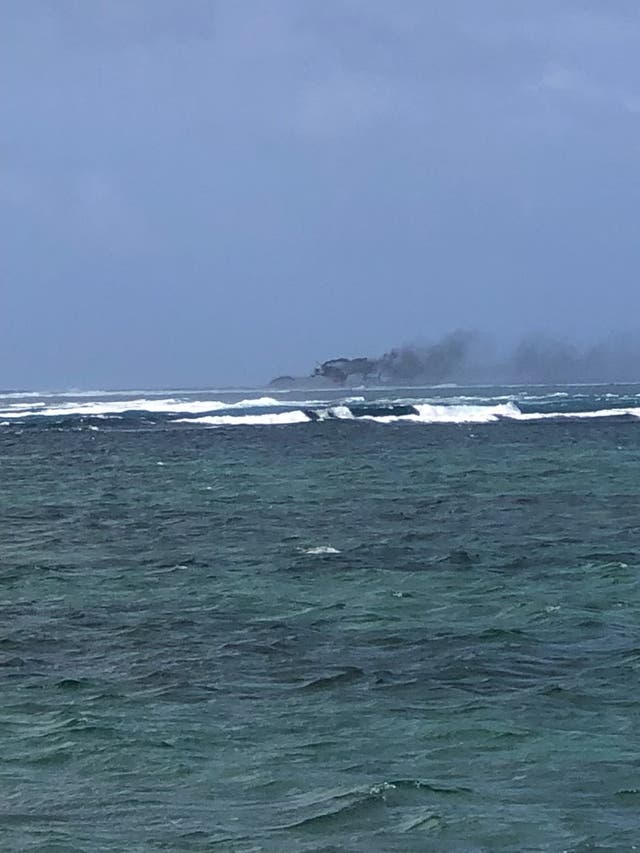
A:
(215, 192)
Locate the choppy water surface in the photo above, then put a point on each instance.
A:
(383, 632)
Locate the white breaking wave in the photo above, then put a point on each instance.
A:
(216, 412)
(320, 550)
(33, 395)
(118, 407)
(271, 419)
(466, 414)
(488, 414)
(598, 413)
(474, 399)
(428, 414)
(25, 407)
(20, 395)
(343, 413)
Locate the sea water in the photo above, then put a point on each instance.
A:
(387, 620)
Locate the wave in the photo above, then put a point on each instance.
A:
(20, 395)
(422, 413)
(271, 419)
(47, 395)
(320, 551)
(597, 413)
(25, 407)
(457, 414)
(120, 407)
(273, 411)
(419, 414)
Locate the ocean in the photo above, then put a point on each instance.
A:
(366, 621)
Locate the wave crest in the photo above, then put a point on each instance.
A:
(272, 419)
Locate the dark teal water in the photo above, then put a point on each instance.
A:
(333, 636)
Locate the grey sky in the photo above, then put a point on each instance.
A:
(217, 191)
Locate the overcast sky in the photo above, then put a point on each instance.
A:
(206, 192)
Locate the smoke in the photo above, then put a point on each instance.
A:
(547, 360)
(470, 357)
(439, 362)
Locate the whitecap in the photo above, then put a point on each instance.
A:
(20, 407)
(598, 413)
(320, 551)
(341, 412)
(272, 419)
(169, 405)
(430, 414)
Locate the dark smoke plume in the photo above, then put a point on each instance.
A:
(437, 363)
(468, 357)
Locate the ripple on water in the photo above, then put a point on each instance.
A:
(333, 637)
